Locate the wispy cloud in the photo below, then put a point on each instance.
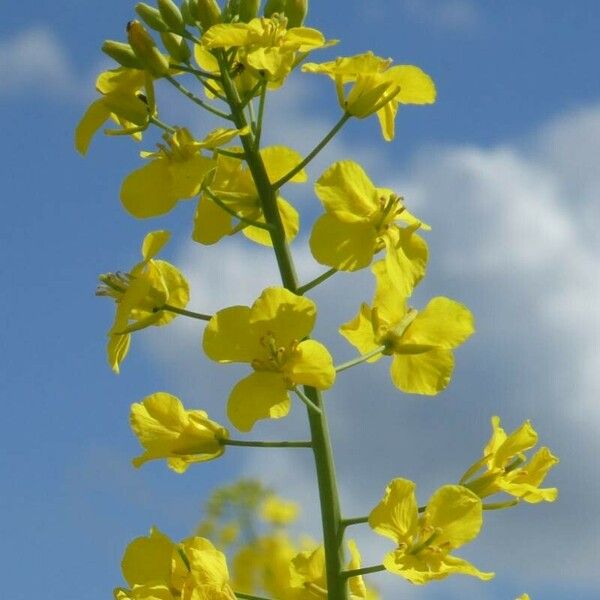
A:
(34, 61)
(456, 15)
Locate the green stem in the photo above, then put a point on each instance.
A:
(232, 212)
(328, 492)
(196, 100)
(185, 313)
(363, 571)
(261, 112)
(354, 521)
(308, 403)
(230, 153)
(197, 72)
(313, 153)
(316, 281)
(252, 444)
(360, 359)
(249, 596)
(162, 125)
(500, 505)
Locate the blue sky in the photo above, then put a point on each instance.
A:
(504, 167)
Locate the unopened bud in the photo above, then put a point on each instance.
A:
(171, 15)
(295, 11)
(151, 16)
(248, 10)
(145, 49)
(274, 6)
(208, 13)
(122, 53)
(176, 46)
(186, 13)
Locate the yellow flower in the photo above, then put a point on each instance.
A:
(361, 220)
(419, 342)
(270, 336)
(234, 187)
(121, 100)
(157, 569)
(140, 295)
(378, 87)
(507, 468)
(265, 46)
(452, 518)
(175, 172)
(278, 511)
(167, 430)
(523, 597)
(308, 574)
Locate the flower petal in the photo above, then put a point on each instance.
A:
(262, 395)
(94, 117)
(416, 87)
(280, 160)
(211, 222)
(148, 559)
(311, 364)
(427, 372)
(359, 332)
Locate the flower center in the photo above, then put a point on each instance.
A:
(390, 208)
(277, 356)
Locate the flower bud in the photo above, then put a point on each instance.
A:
(122, 53)
(248, 10)
(145, 49)
(295, 11)
(274, 6)
(176, 46)
(151, 16)
(171, 15)
(208, 13)
(187, 12)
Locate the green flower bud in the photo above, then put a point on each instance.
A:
(274, 6)
(145, 49)
(171, 15)
(208, 13)
(248, 9)
(122, 53)
(151, 16)
(295, 11)
(186, 13)
(176, 46)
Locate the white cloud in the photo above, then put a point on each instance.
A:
(515, 237)
(35, 61)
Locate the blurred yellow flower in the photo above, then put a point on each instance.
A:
(167, 430)
(270, 336)
(140, 295)
(378, 87)
(507, 468)
(361, 220)
(279, 512)
(419, 342)
(452, 518)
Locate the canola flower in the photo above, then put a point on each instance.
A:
(270, 336)
(452, 518)
(166, 430)
(141, 296)
(377, 87)
(360, 220)
(507, 469)
(420, 343)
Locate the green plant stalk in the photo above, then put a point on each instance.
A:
(328, 493)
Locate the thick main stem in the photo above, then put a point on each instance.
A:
(328, 493)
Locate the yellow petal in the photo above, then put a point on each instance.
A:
(405, 260)
(345, 246)
(460, 566)
(357, 584)
(387, 120)
(396, 516)
(457, 512)
(117, 349)
(520, 440)
(227, 35)
(359, 332)
(311, 364)
(153, 243)
(147, 192)
(279, 161)
(262, 395)
(443, 323)
(188, 176)
(416, 87)
(425, 373)
(94, 117)
(228, 337)
(390, 303)
(211, 223)
(345, 188)
(148, 560)
(122, 79)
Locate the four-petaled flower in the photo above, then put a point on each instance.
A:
(452, 518)
(507, 468)
(270, 336)
(378, 87)
(167, 430)
(361, 220)
(419, 342)
(140, 296)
